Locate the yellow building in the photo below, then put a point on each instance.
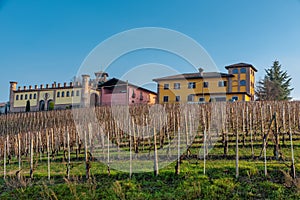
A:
(236, 85)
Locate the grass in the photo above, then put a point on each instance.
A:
(219, 182)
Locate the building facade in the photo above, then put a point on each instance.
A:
(200, 87)
(84, 93)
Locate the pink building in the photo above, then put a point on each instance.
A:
(118, 92)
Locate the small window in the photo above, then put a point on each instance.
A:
(26, 96)
(17, 97)
(191, 97)
(177, 98)
(205, 84)
(141, 96)
(58, 94)
(30, 96)
(166, 86)
(235, 98)
(192, 85)
(243, 71)
(243, 83)
(62, 94)
(222, 83)
(68, 94)
(235, 71)
(72, 93)
(21, 97)
(166, 99)
(176, 86)
(34, 96)
(77, 93)
(201, 99)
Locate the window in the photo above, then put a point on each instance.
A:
(21, 97)
(243, 83)
(72, 93)
(235, 98)
(177, 98)
(34, 96)
(192, 85)
(17, 97)
(62, 94)
(222, 83)
(243, 71)
(58, 94)
(30, 96)
(235, 71)
(166, 98)
(190, 97)
(201, 99)
(166, 86)
(205, 84)
(68, 93)
(141, 96)
(26, 96)
(176, 86)
(77, 93)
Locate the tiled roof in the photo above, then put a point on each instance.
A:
(241, 65)
(115, 81)
(194, 75)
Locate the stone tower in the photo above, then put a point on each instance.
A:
(85, 91)
(13, 87)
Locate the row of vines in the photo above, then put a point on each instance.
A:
(147, 138)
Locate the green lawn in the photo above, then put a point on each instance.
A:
(219, 182)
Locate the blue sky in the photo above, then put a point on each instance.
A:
(47, 40)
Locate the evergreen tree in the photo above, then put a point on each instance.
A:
(27, 106)
(275, 85)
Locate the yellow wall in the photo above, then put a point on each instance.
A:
(152, 98)
(184, 91)
(40, 96)
(22, 103)
(68, 100)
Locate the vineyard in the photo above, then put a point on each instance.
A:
(116, 148)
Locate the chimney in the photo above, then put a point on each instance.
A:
(58, 85)
(19, 88)
(47, 85)
(24, 87)
(71, 84)
(65, 84)
(30, 87)
(36, 87)
(41, 86)
(200, 71)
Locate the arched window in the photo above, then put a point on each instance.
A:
(62, 94)
(58, 94)
(68, 93)
(17, 97)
